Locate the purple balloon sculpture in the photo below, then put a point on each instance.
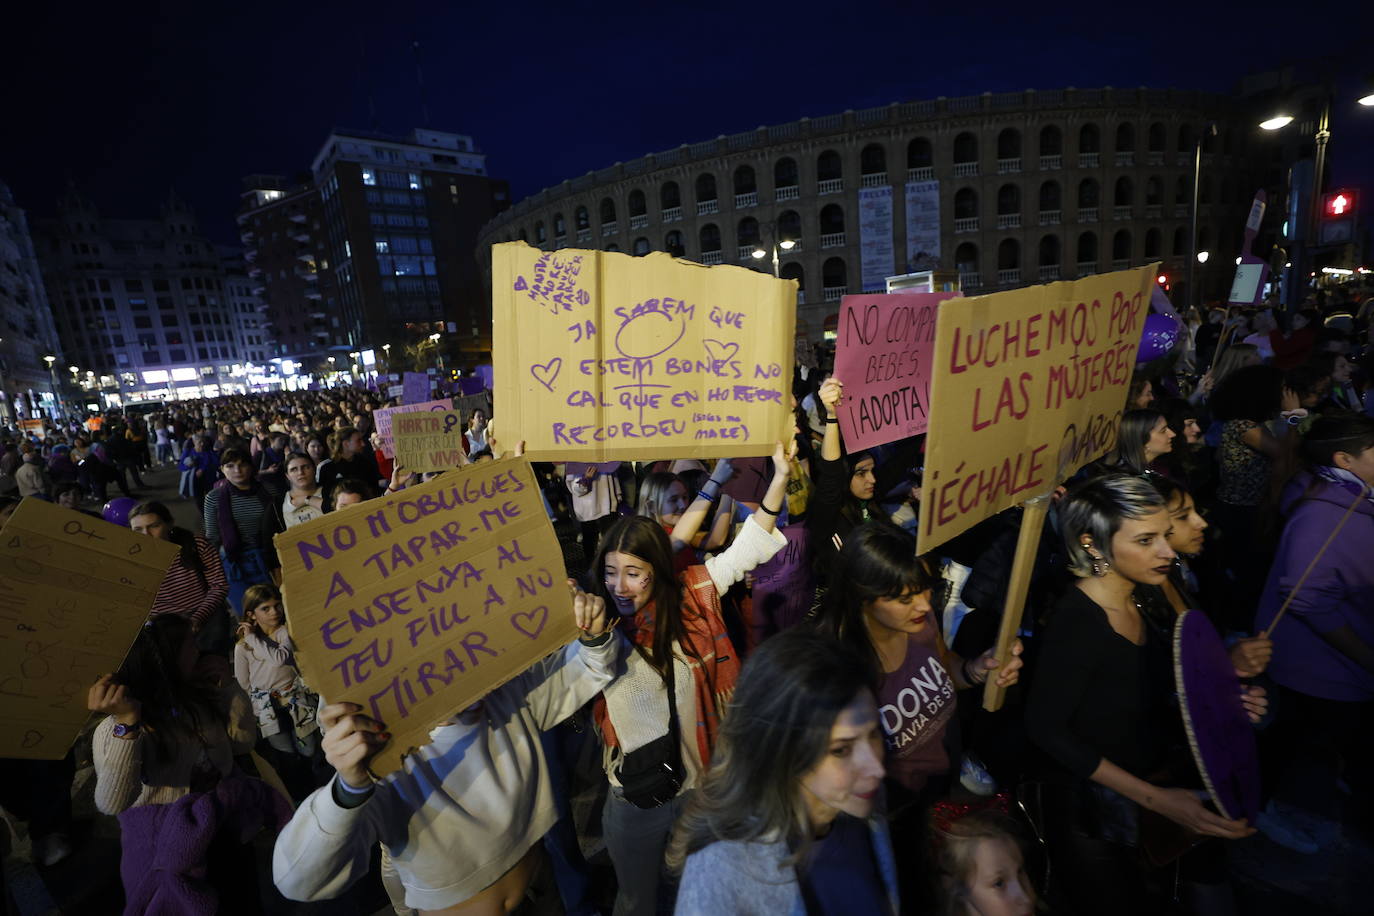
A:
(1159, 337)
(116, 511)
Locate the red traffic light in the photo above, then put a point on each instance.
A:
(1340, 204)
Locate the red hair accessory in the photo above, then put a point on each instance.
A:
(945, 814)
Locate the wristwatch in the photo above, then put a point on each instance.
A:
(127, 731)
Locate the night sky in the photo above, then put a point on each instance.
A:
(131, 102)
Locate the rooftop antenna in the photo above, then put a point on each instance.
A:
(420, 81)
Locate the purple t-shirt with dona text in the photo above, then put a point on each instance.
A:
(915, 705)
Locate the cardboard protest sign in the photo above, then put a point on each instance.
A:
(414, 388)
(428, 440)
(417, 604)
(883, 354)
(383, 419)
(467, 403)
(74, 591)
(1028, 386)
(604, 355)
(395, 391)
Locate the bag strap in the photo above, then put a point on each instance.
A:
(673, 733)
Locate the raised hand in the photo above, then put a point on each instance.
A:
(831, 393)
(589, 611)
(351, 740)
(111, 698)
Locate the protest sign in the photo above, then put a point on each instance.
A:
(1028, 386)
(395, 391)
(428, 440)
(467, 403)
(414, 388)
(383, 419)
(605, 355)
(580, 468)
(417, 604)
(74, 591)
(883, 354)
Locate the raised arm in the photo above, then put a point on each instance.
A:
(690, 522)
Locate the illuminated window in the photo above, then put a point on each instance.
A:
(369, 176)
(415, 181)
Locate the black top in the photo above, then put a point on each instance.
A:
(840, 875)
(1096, 694)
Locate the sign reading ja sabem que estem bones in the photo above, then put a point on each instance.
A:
(603, 356)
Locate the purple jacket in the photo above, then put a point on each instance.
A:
(1339, 591)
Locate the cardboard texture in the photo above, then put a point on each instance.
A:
(1028, 386)
(415, 388)
(74, 591)
(417, 604)
(467, 403)
(430, 440)
(384, 416)
(883, 354)
(604, 355)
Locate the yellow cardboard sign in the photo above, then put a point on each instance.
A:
(602, 355)
(428, 440)
(1028, 386)
(74, 591)
(417, 604)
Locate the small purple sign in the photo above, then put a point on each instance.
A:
(416, 385)
(1219, 731)
(783, 587)
(487, 376)
(579, 468)
(471, 385)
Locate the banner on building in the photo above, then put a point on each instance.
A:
(922, 224)
(417, 604)
(875, 237)
(605, 356)
(1027, 387)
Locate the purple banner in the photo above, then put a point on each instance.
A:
(416, 386)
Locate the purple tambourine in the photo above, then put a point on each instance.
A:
(1219, 732)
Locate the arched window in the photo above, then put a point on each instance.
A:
(965, 148)
(1183, 191)
(829, 167)
(1049, 251)
(1124, 193)
(748, 231)
(789, 226)
(1180, 242)
(1008, 254)
(793, 271)
(672, 243)
(1009, 144)
(641, 246)
(1087, 193)
(637, 204)
(1154, 191)
(873, 160)
(785, 173)
(710, 238)
(540, 234)
(1089, 139)
(1185, 138)
(1156, 140)
(834, 276)
(1008, 200)
(669, 196)
(745, 182)
(919, 154)
(1051, 141)
(965, 203)
(1208, 141)
(1051, 198)
(1204, 195)
(1121, 245)
(1152, 244)
(1204, 239)
(966, 258)
(560, 228)
(607, 211)
(1087, 248)
(581, 218)
(612, 246)
(1125, 138)
(524, 236)
(706, 187)
(832, 219)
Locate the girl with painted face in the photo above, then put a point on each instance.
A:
(788, 818)
(660, 718)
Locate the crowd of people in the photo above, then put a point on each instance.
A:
(780, 699)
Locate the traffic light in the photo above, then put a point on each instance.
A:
(1337, 224)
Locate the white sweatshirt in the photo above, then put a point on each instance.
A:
(463, 810)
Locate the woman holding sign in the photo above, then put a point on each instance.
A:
(462, 819)
(660, 718)
(1101, 707)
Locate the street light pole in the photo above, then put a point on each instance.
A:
(56, 397)
(1209, 131)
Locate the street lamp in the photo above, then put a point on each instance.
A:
(1199, 257)
(759, 253)
(1202, 256)
(438, 354)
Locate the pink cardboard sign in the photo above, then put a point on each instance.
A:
(883, 356)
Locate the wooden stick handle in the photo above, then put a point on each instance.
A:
(1022, 565)
(1313, 565)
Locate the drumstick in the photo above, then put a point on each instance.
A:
(1310, 566)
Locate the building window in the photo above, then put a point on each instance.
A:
(369, 176)
(414, 181)
(641, 247)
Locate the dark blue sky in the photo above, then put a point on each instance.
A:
(131, 102)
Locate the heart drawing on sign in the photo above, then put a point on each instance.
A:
(531, 623)
(520, 284)
(547, 374)
(31, 738)
(720, 352)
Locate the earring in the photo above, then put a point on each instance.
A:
(1101, 567)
